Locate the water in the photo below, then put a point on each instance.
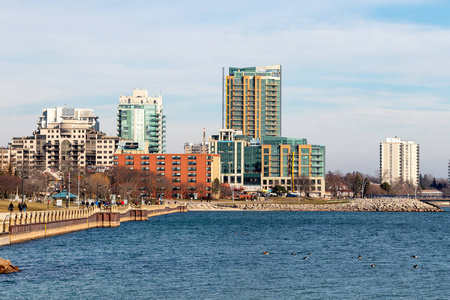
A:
(218, 255)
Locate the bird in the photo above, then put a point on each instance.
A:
(265, 253)
(373, 265)
(309, 253)
(305, 258)
(293, 253)
(415, 266)
(413, 256)
(359, 257)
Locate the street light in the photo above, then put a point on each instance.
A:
(23, 177)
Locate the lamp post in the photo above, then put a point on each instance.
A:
(23, 177)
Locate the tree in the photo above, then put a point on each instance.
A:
(9, 184)
(98, 185)
(333, 180)
(303, 185)
(279, 189)
(215, 190)
(386, 186)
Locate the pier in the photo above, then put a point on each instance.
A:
(25, 226)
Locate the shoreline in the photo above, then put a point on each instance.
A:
(361, 205)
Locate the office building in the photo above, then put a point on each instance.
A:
(140, 118)
(399, 160)
(253, 101)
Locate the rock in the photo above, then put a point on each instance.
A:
(6, 267)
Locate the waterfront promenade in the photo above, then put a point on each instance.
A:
(21, 227)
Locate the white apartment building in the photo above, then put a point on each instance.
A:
(52, 116)
(71, 143)
(399, 160)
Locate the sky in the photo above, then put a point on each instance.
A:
(354, 72)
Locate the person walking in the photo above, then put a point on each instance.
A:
(24, 207)
(11, 207)
(20, 207)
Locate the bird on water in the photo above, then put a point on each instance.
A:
(265, 253)
(305, 258)
(415, 266)
(413, 256)
(359, 257)
(373, 265)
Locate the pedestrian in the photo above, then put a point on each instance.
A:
(11, 207)
(20, 207)
(24, 207)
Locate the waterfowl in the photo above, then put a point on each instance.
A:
(309, 253)
(359, 257)
(293, 253)
(265, 253)
(415, 266)
(373, 265)
(413, 256)
(305, 258)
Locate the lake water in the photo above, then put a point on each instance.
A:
(218, 255)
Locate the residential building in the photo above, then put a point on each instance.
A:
(292, 163)
(253, 164)
(230, 145)
(140, 118)
(53, 116)
(187, 175)
(5, 160)
(399, 160)
(202, 148)
(253, 101)
(71, 144)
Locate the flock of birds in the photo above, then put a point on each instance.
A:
(359, 257)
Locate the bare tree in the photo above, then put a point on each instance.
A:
(333, 181)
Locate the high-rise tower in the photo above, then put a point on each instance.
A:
(140, 118)
(399, 160)
(253, 100)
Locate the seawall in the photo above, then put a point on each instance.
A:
(21, 227)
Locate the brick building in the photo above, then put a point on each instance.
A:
(188, 175)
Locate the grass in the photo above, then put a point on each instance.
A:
(31, 206)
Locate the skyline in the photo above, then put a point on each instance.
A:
(353, 74)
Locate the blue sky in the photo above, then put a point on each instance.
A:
(354, 72)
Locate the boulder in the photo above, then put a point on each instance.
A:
(6, 267)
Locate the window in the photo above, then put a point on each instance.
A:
(145, 157)
(192, 163)
(192, 169)
(129, 163)
(176, 169)
(208, 174)
(144, 168)
(192, 179)
(175, 163)
(129, 157)
(160, 157)
(145, 163)
(160, 163)
(176, 157)
(192, 174)
(192, 157)
(160, 169)
(176, 180)
(176, 174)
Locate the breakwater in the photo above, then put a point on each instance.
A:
(375, 204)
(21, 227)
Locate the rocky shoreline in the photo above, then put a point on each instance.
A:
(378, 204)
(6, 267)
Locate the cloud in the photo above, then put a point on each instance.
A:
(349, 78)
